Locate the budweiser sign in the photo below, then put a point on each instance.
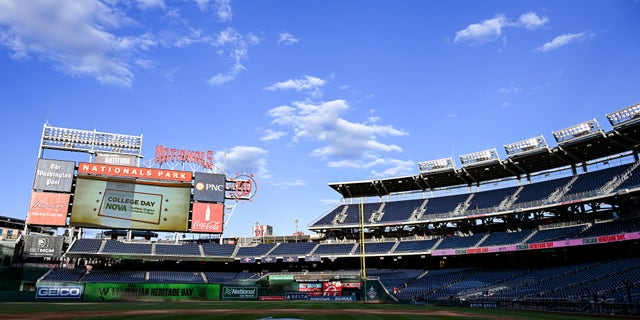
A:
(48, 208)
(207, 217)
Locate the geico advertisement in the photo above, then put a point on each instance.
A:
(59, 292)
(120, 204)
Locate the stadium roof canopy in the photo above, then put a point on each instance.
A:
(577, 150)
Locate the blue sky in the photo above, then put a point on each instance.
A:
(304, 93)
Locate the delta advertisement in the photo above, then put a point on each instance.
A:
(150, 292)
(48, 209)
(113, 203)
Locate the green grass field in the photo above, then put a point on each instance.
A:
(258, 310)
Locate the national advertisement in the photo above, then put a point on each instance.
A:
(240, 292)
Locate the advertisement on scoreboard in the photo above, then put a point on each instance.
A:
(117, 203)
(48, 208)
(209, 187)
(207, 217)
(54, 175)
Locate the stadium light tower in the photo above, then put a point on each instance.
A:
(91, 142)
(578, 131)
(625, 116)
(436, 165)
(479, 157)
(526, 146)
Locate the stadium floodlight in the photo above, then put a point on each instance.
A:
(624, 116)
(436, 165)
(525, 146)
(581, 130)
(90, 141)
(479, 157)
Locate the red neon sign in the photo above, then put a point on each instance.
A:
(202, 158)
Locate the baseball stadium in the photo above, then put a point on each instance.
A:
(551, 231)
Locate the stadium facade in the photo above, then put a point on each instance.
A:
(549, 226)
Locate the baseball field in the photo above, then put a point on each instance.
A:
(260, 310)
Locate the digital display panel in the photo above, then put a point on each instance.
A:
(129, 204)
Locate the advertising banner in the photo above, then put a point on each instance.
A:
(209, 187)
(105, 203)
(133, 172)
(312, 258)
(262, 231)
(42, 246)
(150, 292)
(332, 288)
(310, 287)
(54, 175)
(269, 260)
(48, 208)
(207, 217)
(58, 291)
(296, 296)
(240, 292)
(117, 159)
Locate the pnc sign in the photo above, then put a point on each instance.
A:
(209, 187)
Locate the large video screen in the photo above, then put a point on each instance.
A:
(130, 204)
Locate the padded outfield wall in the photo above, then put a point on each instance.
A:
(369, 290)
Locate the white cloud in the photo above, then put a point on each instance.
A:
(492, 29)
(532, 21)
(291, 183)
(74, 35)
(272, 135)
(151, 4)
(346, 143)
(220, 78)
(244, 160)
(510, 89)
(236, 48)
(478, 33)
(560, 41)
(224, 10)
(308, 83)
(287, 38)
(396, 168)
(202, 4)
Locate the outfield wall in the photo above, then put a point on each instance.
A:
(370, 291)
